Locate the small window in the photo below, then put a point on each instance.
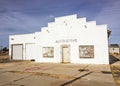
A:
(48, 52)
(86, 51)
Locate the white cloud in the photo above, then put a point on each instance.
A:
(51, 16)
(110, 15)
(19, 22)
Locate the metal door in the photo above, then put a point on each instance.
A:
(30, 51)
(17, 52)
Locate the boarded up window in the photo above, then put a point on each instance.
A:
(48, 52)
(86, 51)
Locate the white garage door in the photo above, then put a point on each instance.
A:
(30, 49)
(17, 52)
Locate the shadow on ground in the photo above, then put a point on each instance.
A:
(71, 81)
(112, 59)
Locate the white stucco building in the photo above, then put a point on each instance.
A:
(68, 39)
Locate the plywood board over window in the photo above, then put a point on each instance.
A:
(48, 52)
(86, 51)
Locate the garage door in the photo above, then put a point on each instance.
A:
(17, 52)
(30, 51)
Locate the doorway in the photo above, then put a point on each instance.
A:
(30, 51)
(65, 53)
(17, 52)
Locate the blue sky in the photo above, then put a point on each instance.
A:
(28, 16)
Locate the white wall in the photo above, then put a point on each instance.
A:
(86, 33)
(21, 39)
(66, 28)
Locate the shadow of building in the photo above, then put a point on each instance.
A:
(112, 59)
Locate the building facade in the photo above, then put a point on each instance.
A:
(114, 49)
(66, 40)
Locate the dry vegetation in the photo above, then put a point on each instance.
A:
(115, 67)
(116, 73)
(4, 57)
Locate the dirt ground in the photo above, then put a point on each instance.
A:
(4, 58)
(115, 68)
(116, 72)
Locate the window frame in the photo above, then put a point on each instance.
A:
(48, 52)
(87, 54)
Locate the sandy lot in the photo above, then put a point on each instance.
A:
(27, 73)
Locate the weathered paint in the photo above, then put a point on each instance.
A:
(67, 30)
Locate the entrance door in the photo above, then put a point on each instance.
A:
(17, 52)
(65, 54)
(30, 51)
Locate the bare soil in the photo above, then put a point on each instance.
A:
(4, 58)
(115, 68)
